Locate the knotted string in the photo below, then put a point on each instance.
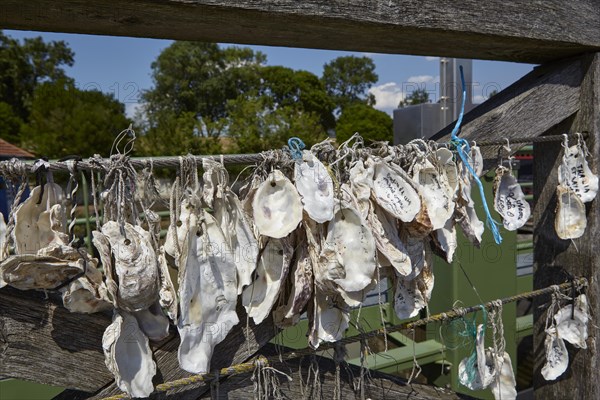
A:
(471, 333)
(296, 146)
(461, 144)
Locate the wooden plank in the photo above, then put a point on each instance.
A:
(529, 107)
(519, 30)
(377, 386)
(43, 342)
(553, 256)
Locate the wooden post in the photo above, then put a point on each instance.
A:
(553, 256)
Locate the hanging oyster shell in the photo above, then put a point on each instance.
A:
(301, 289)
(557, 357)
(464, 213)
(260, 296)
(87, 294)
(153, 322)
(177, 233)
(572, 322)
(476, 160)
(167, 294)
(328, 319)
(446, 239)
(436, 193)
(395, 192)
(408, 299)
(350, 244)
(445, 161)
(477, 371)
(207, 295)
(384, 229)
(277, 208)
(504, 387)
(50, 267)
(574, 173)
(2, 241)
(135, 265)
(128, 355)
(39, 225)
(509, 200)
(361, 184)
(314, 186)
(570, 221)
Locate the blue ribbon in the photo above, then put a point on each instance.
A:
(296, 146)
(461, 144)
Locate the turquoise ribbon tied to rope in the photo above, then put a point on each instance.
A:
(296, 145)
(463, 148)
(471, 333)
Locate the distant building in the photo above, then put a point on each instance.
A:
(424, 120)
(8, 151)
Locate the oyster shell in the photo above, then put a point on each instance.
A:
(260, 296)
(2, 241)
(153, 322)
(408, 299)
(39, 225)
(315, 187)
(557, 357)
(128, 355)
(361, 184)
(329, 319)
(570, 221)
(277, 208)
(395, 192)
(504, 387)
(384, 229)
(207, 295)
(479, 369)
(464, 213)
(509, 200)
(572, 322)
(87, 294)
(446, 239)
(47, 269)
(167, 294)
(575, 174)
(436, 193)
(135, 265)
(353, 245)
(476, 160)
(301, 289)
(177, 233)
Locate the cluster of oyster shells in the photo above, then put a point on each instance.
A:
(309, 236)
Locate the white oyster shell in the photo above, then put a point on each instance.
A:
(260, 296)
(39, 225)
(153, 322)
(485, 365)
(277, 208)
(575, 174)
(446, 238)
(557, 357)
(177, 233)
(167, 294)
(87, 294)
(436, 193)
(395, 192)
(509, 200)
(135, 265)
(328, 320)
(408, 299)
(465, 214)
(572, 322)
(504, 387)
(315, 187)
(476, 160)
(361, 184)
(570, 221)
(389, 244)
(354, 248)
(128, 355)
(207, 295)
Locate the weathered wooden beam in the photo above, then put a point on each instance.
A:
(376, 385)
(555, 258)
(43, 342)
(518, 30)
(529, 107)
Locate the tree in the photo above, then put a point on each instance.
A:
(65, 120)
(23, 66)
(348, 79)
(371, 124)
(10, 124)
(418, 96)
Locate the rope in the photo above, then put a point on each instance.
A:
(537, 139)
(262, 361)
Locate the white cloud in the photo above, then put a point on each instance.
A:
(387, 96)
(478, 98)
(132, 108)
(429, 58)
(423, 79)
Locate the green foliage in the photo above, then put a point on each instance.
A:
(348, 79)
(10, 124)
(256, 127)
(65, 120)
(23, 66)
(418, 96)
(371, 124)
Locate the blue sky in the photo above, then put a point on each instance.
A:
(121, 66)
